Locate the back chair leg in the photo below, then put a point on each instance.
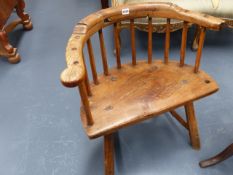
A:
(192, 125)
(109, 154)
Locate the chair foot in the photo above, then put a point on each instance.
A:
(225, 154)
(109, 154)
(192, 126)
(14, 59)
(28, 26)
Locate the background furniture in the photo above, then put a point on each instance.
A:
(6, 8)
(217, 8)
(225, 154)
(137, 91)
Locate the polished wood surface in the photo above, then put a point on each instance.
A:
(136, 93)
(126, 94)
(6, 8)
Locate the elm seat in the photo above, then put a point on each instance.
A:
(135, 93)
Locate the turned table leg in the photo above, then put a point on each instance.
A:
(26, 21)
(6, 49)
(225, 154)
(109, 154)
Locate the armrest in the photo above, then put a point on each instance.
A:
(72, 76)
(75, 71)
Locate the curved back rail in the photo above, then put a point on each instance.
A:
(76, 73)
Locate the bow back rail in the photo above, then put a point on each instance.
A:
(76, 72)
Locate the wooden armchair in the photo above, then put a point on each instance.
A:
(133, 92)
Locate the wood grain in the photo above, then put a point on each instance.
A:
(136, 93)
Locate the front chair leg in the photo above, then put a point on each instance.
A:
(109, 154)
(228, 152)
(192, 125)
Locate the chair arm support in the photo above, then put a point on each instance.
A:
(72, 76)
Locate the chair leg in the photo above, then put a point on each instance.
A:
(192, 125)
(228, 152)
(109, 154)
(196, 38)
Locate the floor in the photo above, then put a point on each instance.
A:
(40, 128)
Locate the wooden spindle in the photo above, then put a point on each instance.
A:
(199, 50)
(92, 62)
(183, 43)
(132, 32)
(87, 83)
(85, 103)
(149, 40)
(167, 42)
(117, 46)
(103, 52)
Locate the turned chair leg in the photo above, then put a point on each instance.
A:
(196, 38)
(109, 154)
(26, 20)
(6, 49)
(192, 125)
(228, 152)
